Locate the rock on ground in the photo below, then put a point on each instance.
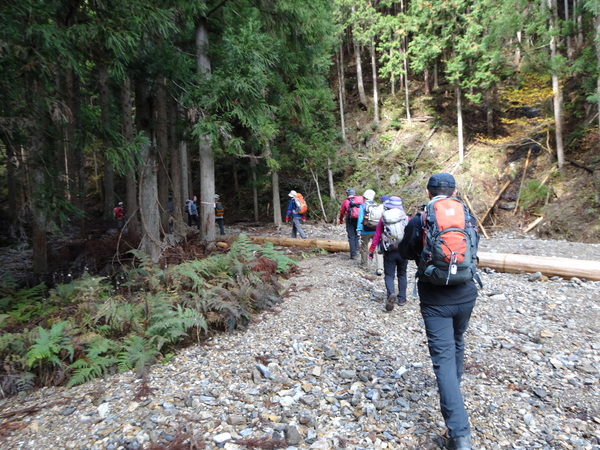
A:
(329, 368)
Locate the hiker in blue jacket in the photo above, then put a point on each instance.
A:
(297, 218)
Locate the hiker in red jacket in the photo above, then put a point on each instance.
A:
(346, 214)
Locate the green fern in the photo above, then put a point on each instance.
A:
(22, 304)
(98, 361)
(121, 315)
(64, 293)
(137, 353)
(243, 248)
(283, 261)
(49, 346)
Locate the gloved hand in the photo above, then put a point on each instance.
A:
(303, 218)
(287, 219)
(371, 254)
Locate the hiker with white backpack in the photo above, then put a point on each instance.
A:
(390, 231)
(368, 218)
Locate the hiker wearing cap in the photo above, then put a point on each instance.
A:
(349, 214)
(388, 234)
(297, 217)
(120, 215)
(446, 310)
(368, 218)
(219, 214)
(191, 209)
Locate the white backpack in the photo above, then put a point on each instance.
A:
(373, 212)
(394, 222)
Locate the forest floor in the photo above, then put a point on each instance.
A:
(330, 368)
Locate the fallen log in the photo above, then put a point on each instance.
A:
(502, 262)
(549, 266)
(325, 244)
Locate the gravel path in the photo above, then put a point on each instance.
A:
(329, 368)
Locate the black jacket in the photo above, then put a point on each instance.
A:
(430, 294)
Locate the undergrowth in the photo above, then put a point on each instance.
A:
(74, 333)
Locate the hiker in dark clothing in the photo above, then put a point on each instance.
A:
(446, 311)
(192, 212)
(220, 214)
(353, 236)
(394, 265)
(120, 215)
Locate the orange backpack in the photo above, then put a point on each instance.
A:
(301, 206)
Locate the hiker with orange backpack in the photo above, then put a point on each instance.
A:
(297, 210)
(443, 241)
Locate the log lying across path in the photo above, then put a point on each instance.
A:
(502, 262)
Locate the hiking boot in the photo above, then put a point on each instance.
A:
(379, 272)
(389, 303)
(401, 302)
(459, 443)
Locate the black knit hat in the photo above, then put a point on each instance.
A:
(441, 180)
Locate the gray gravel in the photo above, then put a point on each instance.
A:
(329, 368)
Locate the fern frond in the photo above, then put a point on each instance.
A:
(49, 346)
(283, 261)
(100, 358)
(121, 315)
(137, 354)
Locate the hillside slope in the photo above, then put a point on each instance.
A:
(511, 181)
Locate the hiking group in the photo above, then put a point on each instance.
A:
(191, 209)
(442, 239)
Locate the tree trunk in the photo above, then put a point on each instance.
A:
(254, 189)
(162, 147)
(392, 76)
(489, 108)
(75, 161)
(276, 198)
(185, 173)
(128, 135)
(332, 195)
(556, 90)
(459, 124)
(109, 173)
(570, 51)
(316, 179)
(406, 90)
(176, 173)
(518, 48)
(375, 89)
(38, 181)
(207, 158)
(359, 75)
(597, 43)
(340, 71)
(148, 201)
(11, 177)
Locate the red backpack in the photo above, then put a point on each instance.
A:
(450, 242)
(354, 206)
